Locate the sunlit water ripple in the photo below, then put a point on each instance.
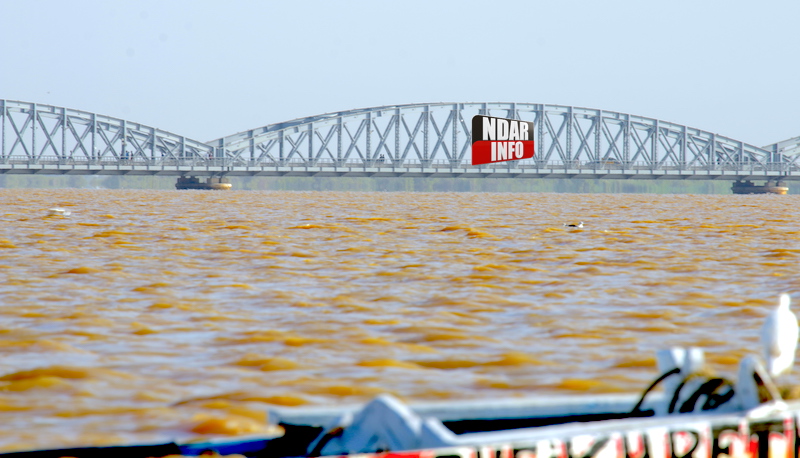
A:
(152, 315)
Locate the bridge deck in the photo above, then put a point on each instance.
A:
(507, 170)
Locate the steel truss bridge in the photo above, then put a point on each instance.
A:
(414, 140)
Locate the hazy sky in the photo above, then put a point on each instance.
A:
(205, 68)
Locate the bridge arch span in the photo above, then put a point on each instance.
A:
(425, 134)
(33, 134)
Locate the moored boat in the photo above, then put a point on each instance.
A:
(692, 417)
(211, 183)
(771, 187)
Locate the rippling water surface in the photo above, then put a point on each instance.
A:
(149, 315)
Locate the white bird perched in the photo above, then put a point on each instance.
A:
(779, 338)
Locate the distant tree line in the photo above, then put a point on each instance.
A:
(382, 184)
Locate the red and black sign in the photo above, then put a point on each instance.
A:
(500, 140)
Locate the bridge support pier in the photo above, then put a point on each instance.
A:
(770, 187)
(211, 183)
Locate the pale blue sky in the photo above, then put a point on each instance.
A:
(207, 68)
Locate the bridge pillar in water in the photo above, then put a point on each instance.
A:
(210, 183)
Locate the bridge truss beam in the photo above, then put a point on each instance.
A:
(439, 134)
(401, 140)
(34, 135)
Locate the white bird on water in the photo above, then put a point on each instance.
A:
(58, 212)
(779, 338)
(574, 225)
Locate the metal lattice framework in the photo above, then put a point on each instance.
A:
(431, 139)
(44, 137)
(426, 134)
(789, 149)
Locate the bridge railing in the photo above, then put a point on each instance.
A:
(578, 167)
(109, 161)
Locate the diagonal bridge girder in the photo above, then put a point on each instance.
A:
(425, 139)
(49, 139)
(569, 136)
